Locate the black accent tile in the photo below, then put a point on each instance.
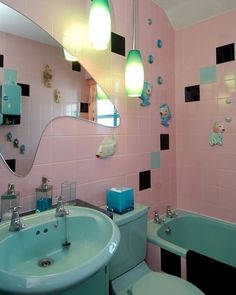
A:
(192, 93)
(117, 44)
(144, 180)
(1, 61)
(84, 107)
(25, 89)
(225, 53)
(11, 119)
(209, 275)
(164, 142)
(76, 66)
(170, 263)
(12, 164)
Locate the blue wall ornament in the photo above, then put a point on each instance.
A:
(150, 58)
(165, 114)
(159, 43)
(146, 94)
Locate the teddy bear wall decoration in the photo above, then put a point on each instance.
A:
(165, 114)
(146, 94)
(216, 135)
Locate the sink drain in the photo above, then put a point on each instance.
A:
(45, 262)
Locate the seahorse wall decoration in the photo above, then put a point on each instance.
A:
(47, 76)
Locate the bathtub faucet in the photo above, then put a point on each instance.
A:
(170, 213)
(157, 218)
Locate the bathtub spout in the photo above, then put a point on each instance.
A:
(167, 230)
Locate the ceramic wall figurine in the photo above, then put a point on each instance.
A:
(47, 76)
(146, 94)
(165, 114)
(107, 148)
(216, 135)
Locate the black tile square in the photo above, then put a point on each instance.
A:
(170, 263)
(12, 164)
(76, 66)
(164, 142)
(225, 53)
(209, 275)
(25, 89)
(117, 44)
(84, 107)
(192, 93)
(144, 180)
(1, 61)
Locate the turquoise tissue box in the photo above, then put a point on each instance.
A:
(120, 199)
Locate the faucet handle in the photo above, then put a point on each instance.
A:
(15, 209)
(155, 213)
(170, 213)
(157, 218)
(60, 198)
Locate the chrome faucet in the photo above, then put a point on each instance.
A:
(170, 213)
(157, 218)
(16, 224)
(61, 211)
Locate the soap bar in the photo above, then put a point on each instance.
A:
(120, 199)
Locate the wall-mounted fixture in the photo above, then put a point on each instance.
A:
(10, 98)
(100, 24)
(134, 72)
(69, 56)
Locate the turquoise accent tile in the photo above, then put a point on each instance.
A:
(10, 76)
(155, 160)
(208, 75)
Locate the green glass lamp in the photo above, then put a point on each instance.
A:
(100, 24)
(134, 72)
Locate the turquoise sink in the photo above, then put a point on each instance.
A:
(52, 254)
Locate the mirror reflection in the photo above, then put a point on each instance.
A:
(37, 84)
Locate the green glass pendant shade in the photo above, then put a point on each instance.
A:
(100, 24)
(134, 74)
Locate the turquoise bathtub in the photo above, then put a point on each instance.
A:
(208, 236)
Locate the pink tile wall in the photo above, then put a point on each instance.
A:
(68, 146)
(205, 174)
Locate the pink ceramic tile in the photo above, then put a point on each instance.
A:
(153, 257)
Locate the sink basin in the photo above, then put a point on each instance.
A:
(53, 254)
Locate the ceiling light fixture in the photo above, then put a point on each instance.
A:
(100, 24)
(134, 72)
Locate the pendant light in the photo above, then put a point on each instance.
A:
(100, 24)
(134, 72)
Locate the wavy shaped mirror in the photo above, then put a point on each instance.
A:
(37, 85)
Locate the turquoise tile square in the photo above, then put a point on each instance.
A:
(155, 160)
(208, 75)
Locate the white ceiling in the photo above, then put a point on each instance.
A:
(184, 13)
